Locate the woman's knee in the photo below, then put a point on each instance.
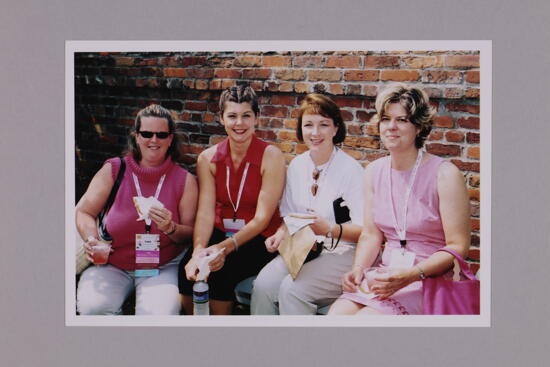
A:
(159, 300)
(96, 304)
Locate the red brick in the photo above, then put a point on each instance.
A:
(200, 73)
(290, 123)
(308, 61)
(209, 117)
(246, 61)
(474, 194)
(335, 88)
(347, 102)
(474, 267)
(472, 76)
(473, 254)
(475, 224)
(357, 154)
(283, 99)
(399, 75)
(362, 142)
(381, 61)
(474, 180)
(469, 122)
(227, 73)
(324, 75)
(470, 108)
(124, 61)
(226, 83)
(462, 61)
(473, 152)
(475, 241)
(257, 86)
(454, 136)
(472, 93)
(286, 87)
(444, 149)
(415, 62)
(170, 61)
(441, 76)
(287, 135)
(444, 121)
(374, 155)
(343, 62)
(302, 87)
(193, 149)
(435, 135)
(290, 74)
(216, 84)
(275, 123)
(370, 90)
(216, 139)
(372, 129)
(472, 138)
(266, 134)
(346, 115)
(363, 116)
(276, 61)
(466, 166)
(355, 129)
(284, 146)
(362, 75)
(256, 73)
(353, 89)
(175, 73)
(196, 106)
(202, 84)
(274, 111)
(474, 208)
(193, 60)
(453, 93)
(433, 92)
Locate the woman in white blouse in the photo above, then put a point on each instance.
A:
(319, 182)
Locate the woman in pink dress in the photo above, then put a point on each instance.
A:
(414, 201)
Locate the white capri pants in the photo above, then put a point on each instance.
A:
(319, 283)
(102, 290)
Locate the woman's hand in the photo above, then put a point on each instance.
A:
(272, 243)
(352, 279)
(320, 226)
(162, 218)
(89, 250)
(216, 263)
(191, 268)
(393, 280)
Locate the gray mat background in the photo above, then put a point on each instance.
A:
(32, 34)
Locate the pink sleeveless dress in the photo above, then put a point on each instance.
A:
(424, 228)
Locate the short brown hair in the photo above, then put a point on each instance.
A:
(153, 110)
(320, 104)
(415, 101)
(239, 94)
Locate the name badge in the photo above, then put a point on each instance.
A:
(401, 259)
(147, 255)
(233, 225)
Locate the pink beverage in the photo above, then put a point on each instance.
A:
(100, 253)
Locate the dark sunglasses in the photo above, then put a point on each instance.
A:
(149, 134)
(315, 175)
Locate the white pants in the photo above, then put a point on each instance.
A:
(102, 290)
(318, 284)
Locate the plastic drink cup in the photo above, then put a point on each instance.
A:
(371, 273)
(100, 253)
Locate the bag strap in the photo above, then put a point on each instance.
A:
(464, 268)
(114, 190)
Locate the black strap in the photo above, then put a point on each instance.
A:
(103, 231)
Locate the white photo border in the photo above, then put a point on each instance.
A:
(482, 320)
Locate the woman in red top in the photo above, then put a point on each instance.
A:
(241, 181)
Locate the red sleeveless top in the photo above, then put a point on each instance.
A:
(251, 188)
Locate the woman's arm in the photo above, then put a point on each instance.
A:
(370, 239)
(273, 180)
(93, 200)
(187, 208)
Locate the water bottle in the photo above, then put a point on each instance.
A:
(200, 298)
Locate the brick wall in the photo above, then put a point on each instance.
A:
(110, 88)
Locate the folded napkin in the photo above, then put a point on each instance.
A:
(143, 205)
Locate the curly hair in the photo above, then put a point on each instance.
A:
(415, 101)
(320, 104)
(153, 110)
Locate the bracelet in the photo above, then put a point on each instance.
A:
(339, 235)
(358, 266)
(422, 274)
(234, 242)
(175, 226)
(91, 238)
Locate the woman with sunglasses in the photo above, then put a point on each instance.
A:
(415, 202)
(326, 183)
(150, 174)
(241, 180)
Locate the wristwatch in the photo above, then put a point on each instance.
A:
(91, 238)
